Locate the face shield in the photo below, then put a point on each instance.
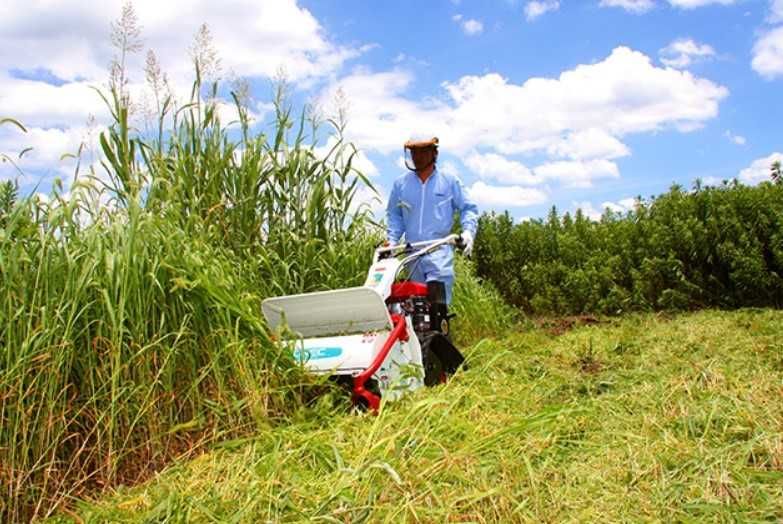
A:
(420, 155)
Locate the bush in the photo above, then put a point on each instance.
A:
(711, 247)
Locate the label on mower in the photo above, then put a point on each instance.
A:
(307, 354)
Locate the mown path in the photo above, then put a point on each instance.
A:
(642, 418)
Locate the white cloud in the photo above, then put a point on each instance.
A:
(49, 154)
(375, 201)
(628, 203)
(622, 94)
(593, 213)
(692, 4)
(759, 169)
(587, 144)
(768, 54)
(642, 6)
(251, 36)
(576, 121)
(508, 196)
(359, 160)
(578, 173)
(712, 181)
(473, 27)
(681, 53)
(448, 167)
(380, 117)
(536, 8)
(582, 114)
(633, 6)
(588, 210)
(501, 169)
(67, 43)
(737, 139)
(38, 104)
(611, 206)
(470, 27)
(572, 173)
(775, 11)
(622, 206)
(228, 113)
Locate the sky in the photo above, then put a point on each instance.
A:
(575, 104)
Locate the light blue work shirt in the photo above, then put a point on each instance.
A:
(425, 211)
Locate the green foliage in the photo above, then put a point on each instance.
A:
(776, 173)
(130, 315)
(9, 192)
(711, 247)
(480, 310)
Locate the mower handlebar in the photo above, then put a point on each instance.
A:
(417, 249)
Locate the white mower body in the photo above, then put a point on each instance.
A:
(354, 333)
(343, 330)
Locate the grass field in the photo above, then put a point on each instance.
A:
(644, 418)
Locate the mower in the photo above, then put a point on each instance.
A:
(382, 339)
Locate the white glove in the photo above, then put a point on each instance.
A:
(467, 239)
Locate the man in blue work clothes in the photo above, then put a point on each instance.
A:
(421, 207)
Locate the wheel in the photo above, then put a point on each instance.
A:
(434, 371)
(440, 358)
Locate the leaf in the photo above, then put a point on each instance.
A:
(13, 122)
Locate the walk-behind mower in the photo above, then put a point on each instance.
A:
(382, 339)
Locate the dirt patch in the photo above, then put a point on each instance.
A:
(558, 325)
(589, 364)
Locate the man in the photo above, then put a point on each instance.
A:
(421, 207)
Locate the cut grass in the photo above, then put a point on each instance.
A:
(672, 420)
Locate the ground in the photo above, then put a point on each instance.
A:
(644, 418)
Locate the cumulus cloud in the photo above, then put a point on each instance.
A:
(536, 8)
(505, 196)
(499, 168)
(768, 54)
(38, 104)
(54, 54)
(759, 169)
(251, 36)
(374, 201)
(737, 139)
(576, 121)
(622, 94)
(682, 52)
(588, 210)
(576, 173)
(775, 12)
(48, 152)
(633, 6)
(470, 27)
(594, 213)
(359, 159)
(692, 4)
(621, 206)
(642, 6)
(587, 144)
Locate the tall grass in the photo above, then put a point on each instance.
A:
(130, 319)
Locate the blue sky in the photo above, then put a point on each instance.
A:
(536, 103)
